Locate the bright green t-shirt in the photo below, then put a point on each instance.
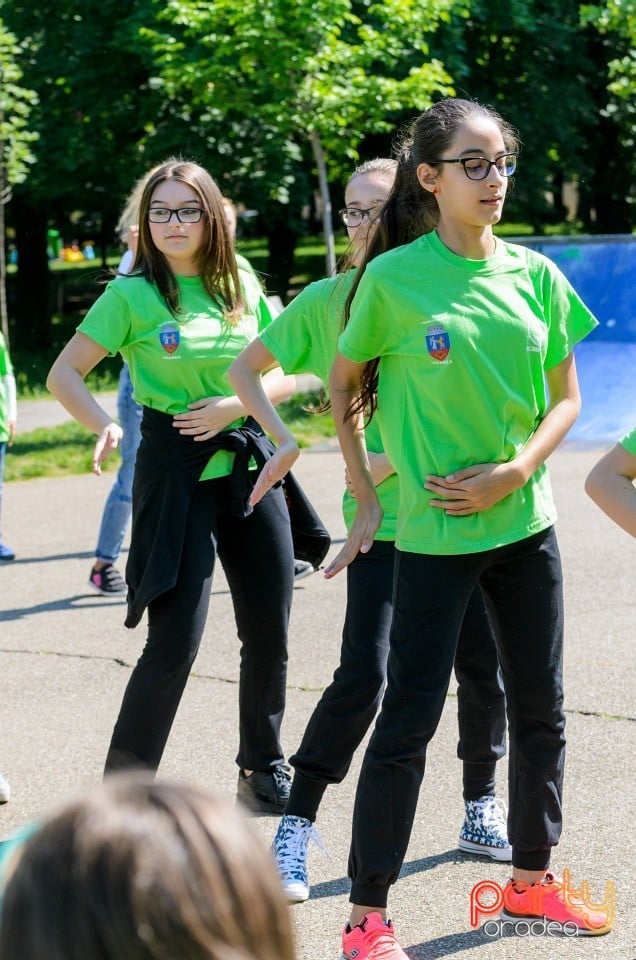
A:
(5, 368)
(174, 361)
(463, 347)
(629, 442)
(304, 339)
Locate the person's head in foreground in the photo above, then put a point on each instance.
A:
(143, 870)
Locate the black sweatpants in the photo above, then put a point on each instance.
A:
(257, 557)
(522, 585)
(349, 704)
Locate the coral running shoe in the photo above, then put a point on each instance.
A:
(553, 899)
(371, 939)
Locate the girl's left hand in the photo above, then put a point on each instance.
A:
(473, 489)
(205, 418)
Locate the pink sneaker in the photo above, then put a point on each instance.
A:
(553, 899)
(371, 939)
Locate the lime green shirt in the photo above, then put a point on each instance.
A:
(174, 361)
(629, 442)
(5, 369)
(304, 339)
(463, 347)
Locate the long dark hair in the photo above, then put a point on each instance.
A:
(145, 870)
(410, 211)
(216, 260)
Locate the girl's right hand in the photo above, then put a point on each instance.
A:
(107, 441)
(360, 540)
(275, 469)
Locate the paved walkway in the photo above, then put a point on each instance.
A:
(65, 658)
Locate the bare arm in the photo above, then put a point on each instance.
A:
(344, 385)
(610, 484)
(66, 382)
(251, 387)
(480, 486)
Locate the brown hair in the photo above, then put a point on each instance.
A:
(216, 259)
(143, 870)
(410, 211)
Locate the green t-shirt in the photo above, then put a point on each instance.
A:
(629, 442)
(463, 347)
(174, 361)
(5, 368)
(304, 339)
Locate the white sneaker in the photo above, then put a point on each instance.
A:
(485, 830)
(289, 849)
(5, 790)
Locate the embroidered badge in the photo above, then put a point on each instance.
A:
(169, 337)
(437, 341)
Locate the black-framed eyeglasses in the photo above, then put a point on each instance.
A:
(354, 216)
(478, 168)
(183, 214)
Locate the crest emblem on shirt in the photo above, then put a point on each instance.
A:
(169, 337)
(437, 341)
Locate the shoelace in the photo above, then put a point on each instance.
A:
(495, 812)
(382, 939)
(292, 847)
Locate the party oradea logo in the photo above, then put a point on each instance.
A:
(488, 898)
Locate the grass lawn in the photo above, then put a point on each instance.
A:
(68, 449)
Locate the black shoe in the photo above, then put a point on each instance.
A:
(108, 581)
(303, 569)
(265, 791)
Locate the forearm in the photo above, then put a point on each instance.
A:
(67, 385)
(547, 437)
(610, 485)
(258, 396)
(344, 385)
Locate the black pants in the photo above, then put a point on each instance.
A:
(257, 557)
(348, 706)
(522, 586)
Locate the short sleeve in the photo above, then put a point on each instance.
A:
(628, 442)
(108, 321)
(569, 320)
(289, 337)
(372, 329)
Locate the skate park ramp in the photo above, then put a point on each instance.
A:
(602, 269)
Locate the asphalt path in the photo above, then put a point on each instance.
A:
(65, 658)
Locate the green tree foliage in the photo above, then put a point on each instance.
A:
(296, 74)
(16, 103)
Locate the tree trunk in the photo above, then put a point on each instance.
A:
(327, 219)
(33, 308)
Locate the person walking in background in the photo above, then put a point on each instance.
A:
(8, 423)
(179, 319)
(104, 577)
(143, 871)
(303, 339)
(610, 483)
(462, 343)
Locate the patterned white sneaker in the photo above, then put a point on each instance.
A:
(289, 849)
(5, 790)
(484, 829)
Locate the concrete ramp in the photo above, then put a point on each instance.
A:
(603, 272)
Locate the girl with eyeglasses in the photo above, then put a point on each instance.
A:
(303, 339)
(460, 344)
(179, 319)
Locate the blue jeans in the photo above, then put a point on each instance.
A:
(3, 450)
(118, 507)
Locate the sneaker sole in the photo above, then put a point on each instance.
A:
(503, 854)
(305, 573)
(295, 896)
(107, 593)
(530, 918)
(255, 805)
